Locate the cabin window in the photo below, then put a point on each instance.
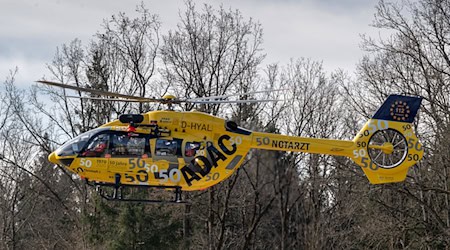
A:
(136, 146)
(165, 147)
(97, 147)
(191, 149)
(129, 145)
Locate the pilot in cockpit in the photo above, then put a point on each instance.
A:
(97, 150)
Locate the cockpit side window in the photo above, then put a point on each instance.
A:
(97, 147)
(129, 145)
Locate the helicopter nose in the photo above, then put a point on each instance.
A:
(52, 158)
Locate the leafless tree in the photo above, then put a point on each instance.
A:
(28, 180)
(129, 48)
(212, 52)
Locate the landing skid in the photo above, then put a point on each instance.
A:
(117, 193)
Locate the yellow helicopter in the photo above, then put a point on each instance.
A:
(187, 151)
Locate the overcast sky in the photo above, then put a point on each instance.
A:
(323, 30)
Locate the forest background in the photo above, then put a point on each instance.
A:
(276, 200)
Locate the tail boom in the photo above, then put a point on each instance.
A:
(278, 142)
(385, 148)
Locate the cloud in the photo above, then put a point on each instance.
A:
(323, 30)
(32, 30)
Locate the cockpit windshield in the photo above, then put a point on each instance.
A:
(75, 145)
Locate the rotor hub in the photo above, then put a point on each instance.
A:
(169, 97)
(387, 148)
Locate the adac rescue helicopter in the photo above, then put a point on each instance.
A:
(187, 151)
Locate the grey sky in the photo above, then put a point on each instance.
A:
(323, 30)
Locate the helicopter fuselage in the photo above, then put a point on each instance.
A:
(191, 150)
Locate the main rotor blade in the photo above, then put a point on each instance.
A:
(226, 96)
(105, 99)
(196, 102)
(230, 101)
(100, 92)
